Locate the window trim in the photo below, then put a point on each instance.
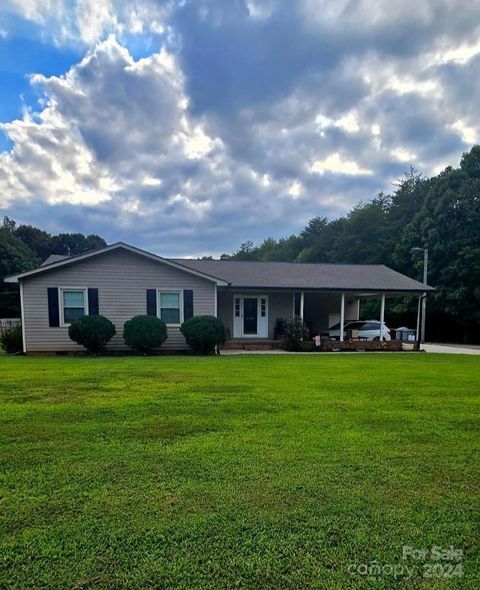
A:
(159, 307)
(239, 298)
(61, 305)
(263, 312)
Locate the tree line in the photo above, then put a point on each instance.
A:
(441, 213)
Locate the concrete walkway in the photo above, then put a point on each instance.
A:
(430, 347)
(451, 348)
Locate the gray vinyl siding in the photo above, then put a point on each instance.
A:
(225, 309)
(280, 307)
(122, 279)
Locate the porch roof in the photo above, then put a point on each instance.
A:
(367, 278)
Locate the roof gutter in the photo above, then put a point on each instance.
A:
(422, 289)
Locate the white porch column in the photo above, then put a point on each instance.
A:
(22, 317)
(419, 309)
(382, 317)
(342, 317)
(302, 303)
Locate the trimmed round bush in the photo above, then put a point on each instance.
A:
(203, 333)
(92, 331)
(144, 332)
(11, 340)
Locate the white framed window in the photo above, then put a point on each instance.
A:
(73, 303)
(170, 306)
(237, 307)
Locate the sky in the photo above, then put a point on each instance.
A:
(187, 127)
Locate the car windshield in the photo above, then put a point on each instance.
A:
(346, 325)
(356, 325)
(359, 325)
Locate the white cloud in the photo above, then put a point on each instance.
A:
(151, 181)
(336, 165)
(196, 144)
(115, 135)
(460, 54)
(402, 155)
(348, 122)
(110, 125)
(49, 161)
(404, 84)
(367, 14)
(259, 10)
(295, 189)
(89, 21)
(198, 208)
(469, 134)
(93, 18)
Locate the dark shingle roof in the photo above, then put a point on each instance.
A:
(53, 258)
(358, 277)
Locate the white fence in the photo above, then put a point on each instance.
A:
(9, 323)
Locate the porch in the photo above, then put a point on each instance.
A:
(252, 317)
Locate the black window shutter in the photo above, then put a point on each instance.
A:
(151, 302)
(53, 310)
(187, 304)
(93, 302)
(297, 303)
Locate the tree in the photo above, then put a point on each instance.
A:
(39, 241)
(15, 256)
(470, 162)
(72, 244)
(246, 251)
(318, 238)
(9, 224)
(365, 237)
(449, 226)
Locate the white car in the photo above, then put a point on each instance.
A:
(367, 330)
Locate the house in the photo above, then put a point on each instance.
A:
(121, 281)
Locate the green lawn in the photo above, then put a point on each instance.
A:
(237, 472)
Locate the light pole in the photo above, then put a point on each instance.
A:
(424, 296)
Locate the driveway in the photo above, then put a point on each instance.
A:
(451, 348)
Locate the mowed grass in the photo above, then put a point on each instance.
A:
(237, 472)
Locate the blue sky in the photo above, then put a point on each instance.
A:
(187, 127)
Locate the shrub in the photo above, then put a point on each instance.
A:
(203, 333)
(92, 331)
(11, 340)
(296, 332)
(144, 332)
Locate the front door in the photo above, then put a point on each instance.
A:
(250, 316)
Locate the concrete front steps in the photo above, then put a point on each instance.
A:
(238, 344)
